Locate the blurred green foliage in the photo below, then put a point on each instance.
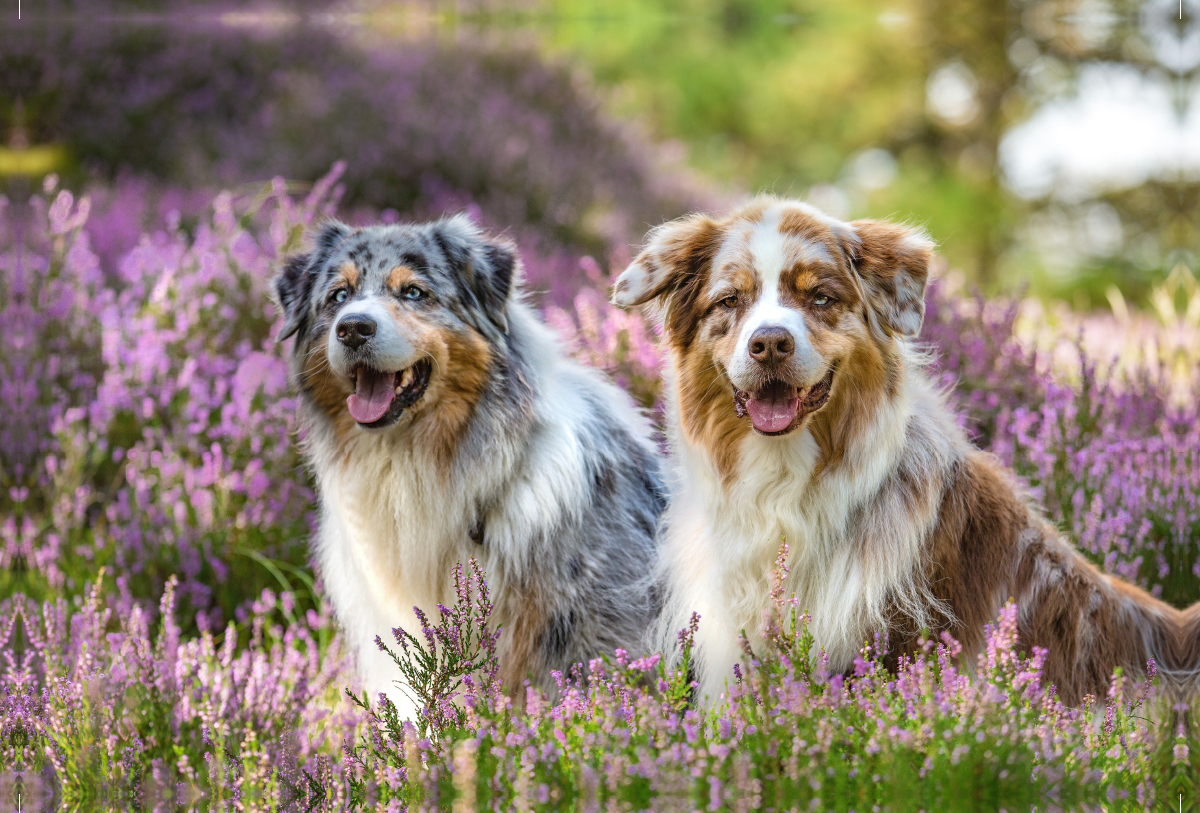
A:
(437, 102)
(785, 95)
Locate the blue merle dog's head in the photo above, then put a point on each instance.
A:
(396, 320)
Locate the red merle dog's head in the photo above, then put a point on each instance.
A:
(777, 314)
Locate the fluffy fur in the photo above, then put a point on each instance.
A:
(799, 410)
(494, 446)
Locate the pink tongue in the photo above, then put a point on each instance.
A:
(373, 394)
(772, 415)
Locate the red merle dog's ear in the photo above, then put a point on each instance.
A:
(675, 259)
(893, 263)
(293, 285)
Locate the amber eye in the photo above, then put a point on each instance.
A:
(730, 301)
(821, 300)
(340, 295)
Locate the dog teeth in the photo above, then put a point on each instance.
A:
(405, 379)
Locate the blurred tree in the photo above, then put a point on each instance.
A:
(784, 95)
(887, 108)
(1127, 231)
(896, 108)
(426, 124)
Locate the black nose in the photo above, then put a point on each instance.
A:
(354, 329)
(771, 345)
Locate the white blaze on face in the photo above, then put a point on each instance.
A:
(772, 254)
(770, 258)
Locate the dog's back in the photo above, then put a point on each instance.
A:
(442, 422)
(572, 535)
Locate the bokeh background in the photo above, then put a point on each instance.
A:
(1049, 146)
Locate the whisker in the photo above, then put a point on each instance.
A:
(713, 382)
(431, 358)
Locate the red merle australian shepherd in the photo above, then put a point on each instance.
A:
(800, 410)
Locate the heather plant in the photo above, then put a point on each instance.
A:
(1119, 468)
(126, 711)
(427, 123)
(152, 430)
(1107, 448)
(125, 715)
(148, 430)
(930, 734)
(621, 343)
(979, 357)
(459, 650)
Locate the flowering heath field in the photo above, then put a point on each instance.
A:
(164, 643)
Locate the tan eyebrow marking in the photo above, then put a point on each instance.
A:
(806, 280)
(400, 275)
(349, 272)
(802, 280)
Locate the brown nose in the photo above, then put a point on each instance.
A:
(771, 345)
(354, 329)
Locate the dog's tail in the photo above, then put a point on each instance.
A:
(1185, 677)
(1150, 628)
(1091, 623)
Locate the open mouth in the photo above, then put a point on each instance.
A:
(381, 397)
(779, 407)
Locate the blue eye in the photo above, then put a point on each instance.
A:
(413, 293)
(821, 300)
(340, 295)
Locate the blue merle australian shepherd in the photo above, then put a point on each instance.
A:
(442, 421)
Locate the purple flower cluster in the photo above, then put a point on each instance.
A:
(151, 427)
(426, 123)
(119, 712)
(1128, 487)
(107, 702)
(621, 343)
(1112, 453)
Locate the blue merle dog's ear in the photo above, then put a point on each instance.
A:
(293, 284)
(487, 265)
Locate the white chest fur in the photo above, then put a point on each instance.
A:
(845, 560)
(390, 534)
